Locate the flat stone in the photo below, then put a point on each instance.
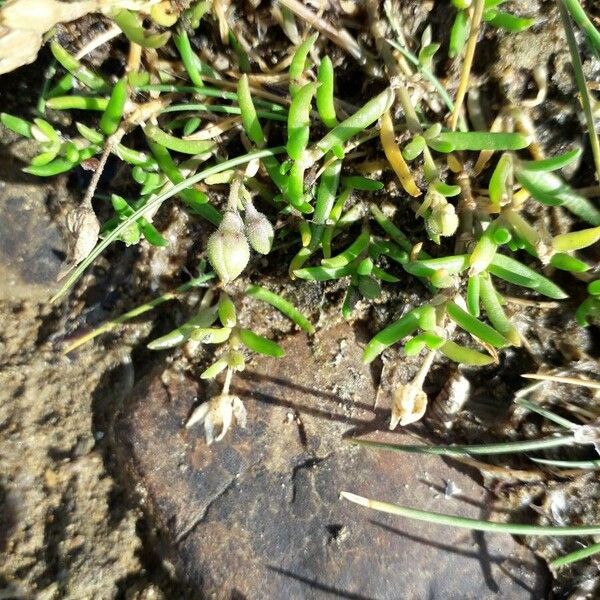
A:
(32, 248)
(258, 515)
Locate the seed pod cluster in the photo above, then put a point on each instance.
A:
(259, 230)
(229, 247)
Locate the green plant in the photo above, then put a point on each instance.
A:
(331, 216)
(491, 15)
(402, 187)
(502, 448)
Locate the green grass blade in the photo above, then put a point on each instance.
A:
(572, 557)
(566, 262)
(473, 295)
(464, 355)
(395, 234)
(260, 344)
(510, 22)
(391, 335)
(549, 189)
(449, 141)
(16, 124)
(450, 264)
(323, 273)
(349, 254)
(250, 120)
(551, 164)
(475, 327)
(359, 121)
(475, 449)
(544, 412)
(576, 11)
(568, 464)
(495, 312)
(586, 100)
(472, 524)
(178, 144)
(576, 240)
(324, 96)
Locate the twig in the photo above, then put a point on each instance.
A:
(338, 36)
(428, 74)
(395, 75)
(109, 146)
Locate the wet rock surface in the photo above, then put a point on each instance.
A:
(258, 515)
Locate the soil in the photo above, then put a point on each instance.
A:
(72, 522)
(66, 530)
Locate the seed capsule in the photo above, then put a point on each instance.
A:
(85, 227)
(227, 248)
(259, 230)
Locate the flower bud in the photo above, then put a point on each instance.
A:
(440, 216)
(227, 248)
(258, 230)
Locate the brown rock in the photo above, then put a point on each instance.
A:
(31, 246)
(258, 515)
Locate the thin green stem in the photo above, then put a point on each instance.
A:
(568, 464)
(222, 108)
(572, 557)
(476, 449)
(48, 75)
(581, 85)
(211, 93)
(281, 304)
(137, 311)
(466, 523)
(547, 414)
(583, 21)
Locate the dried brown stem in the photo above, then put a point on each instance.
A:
(463, 86)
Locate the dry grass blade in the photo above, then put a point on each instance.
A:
(463, 86)
(339, 37)
(595, 385)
